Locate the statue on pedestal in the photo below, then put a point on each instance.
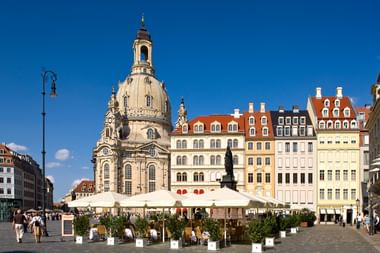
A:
(228, 163)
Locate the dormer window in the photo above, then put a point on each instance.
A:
(288, 120)
(329, 124)
(265, 131)
(279, 131)
(346, 112)
(198, 128)
(251, 120)
(280, 120)
(303, 120)
(215, 128)
(252, 131)
(321, 124)
(295, 120)
(287, 131)
(263, 120)
(185, 129)
(345, 124)
(232, 127)
(337, 103)
(302, 131)
(336, 112)
(325, 112)
(353, 124)
(337, 124)
(326, 103)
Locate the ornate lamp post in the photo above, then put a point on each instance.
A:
(46, 75)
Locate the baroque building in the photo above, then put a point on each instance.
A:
(132, 155)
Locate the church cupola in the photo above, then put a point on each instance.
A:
(142, 48)
(182, 114)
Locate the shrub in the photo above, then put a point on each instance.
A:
(118, 226)
(284, 223)
(307, 216)
(212, 226)
(81, 225)
(256, 231)
(270, 226)
(176, 226)
(141, 226)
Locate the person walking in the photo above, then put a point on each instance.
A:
(359, 220)
(37, 223)
(18, 225)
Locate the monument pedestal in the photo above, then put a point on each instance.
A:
(229, 182)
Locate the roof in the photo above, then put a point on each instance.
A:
(258, 126)
(143, 34)
(301, 113)
(318, 105)
(86, 185)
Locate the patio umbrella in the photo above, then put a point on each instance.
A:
(31, 211)
(104, 199)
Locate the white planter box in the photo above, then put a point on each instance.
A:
(79, 239)
(293, 230)
(111, 241)
(282, 234)
(269, 242)
(213, 245)
(140, 243)
(257, 247)
(176, 244)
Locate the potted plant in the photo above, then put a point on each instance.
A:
(118, 227)
(108, 222)
(293, 220)
(256, 235)
(141, 228)
(176, 226)
(81, 227)
(213, 228)
(283, 224)
(270, 228)
(307, 218)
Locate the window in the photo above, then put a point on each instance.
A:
(329, 194)
(267, 160)
(250, 178)
(198, 128)
(201, 177)
(322, 194)
(218, 159)
(1, 180)
(353, 141)
(1, 169)
(295, 120)
(265, 131)
(279, 178)
(310, 178)
(353, 194)
(303, 179)
(258, 161)
(258, 145)
(9, 191)
(287, 147)
(9, 180)
(337, 194)
(259, 178)
(337, 124)
(251, 120)
(232, 127)
(152, 178)
(184, 177)
(195, 177)
(287, 178)
(325, 112)
(215, 128)
(322, 175)
(280, 120)
(329, 124)
(218, 143)
(309, 147)
(235, 160)
(201, 144)
(195, 160)
(345, 175)
(337, 175)
(212, 143)
(279, 147)
(346, 112)
(106, 185)
(302, 131)
(303, 120)
(250, 161)
(178, 145)
(267, 177)
(321, 124)
(295, 147)
(295, 175)
(128, 187)
(353, 175)
(250, 145)
(179, 160)
(329, 175)
(336, 112)
(279, 162)
(201, 160)
(267, 145)
(263, 120)
(179, 177)
(279, 131)
(1, 190)
(287, 131)
(184, 128)
(236, 143)
(229, 143)
(337, 102)
(128, 172)
(106, 171)
(345, 194)
(212, 160)
(195, 143)
(353, 124)
(149, 100)
(345, 124)
(288, 120)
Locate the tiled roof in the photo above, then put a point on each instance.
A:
(318, 105)
(85, 185)
(258, 127)
(366, 111)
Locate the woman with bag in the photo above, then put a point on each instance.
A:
(37, 223)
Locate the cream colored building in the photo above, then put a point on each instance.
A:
(338, 151)
(198, 148)
(132, 154)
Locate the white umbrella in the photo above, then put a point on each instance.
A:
(104, 199)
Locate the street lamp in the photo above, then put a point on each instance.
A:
(46, 75)
(357, 206)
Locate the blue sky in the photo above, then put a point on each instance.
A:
(219, 55)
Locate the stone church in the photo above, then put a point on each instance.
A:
(132, 155)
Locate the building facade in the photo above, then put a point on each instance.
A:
(259, 152)
(296, 162)
(20, 182)
(198, 148)
(132, 154)
(338, 183)
(85, 188)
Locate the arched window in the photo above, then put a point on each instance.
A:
(179, 178)
(144, 54)
(179, 160)
(184, 177)
(218, 144)
(336, 112)
(236, 160)
(346, 112)
(152, 178)
(321, 124)
(329, 124)
(195, 143)
(125, 101)
(195, 177)
(325, 112)
(201, 177)
(201, 144)
(201, 160)
(150, 134)
(353, 124)
(252, 131)
(337, 102)
(326, 103)
(178, 144)
(108, 132)
(184, 129)
(263, 120)
(106, 171)
(229, 143)
(149, 100)
(128, 179)
(345, 124)
(184, 160)
(128, 172)
(215, 127)
(195, 160)
(184, 144)
(251, 120)
(265, 131)
(212, 160)
(337, 124)
(212, 143)
(236, 143)
(232, 127)
(218, 160)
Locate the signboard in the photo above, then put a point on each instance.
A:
(67, 225)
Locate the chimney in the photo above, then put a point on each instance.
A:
(236, 113)
(296, 109)
(318, 93)
(281, 109)
(339, 92)
(262, 107)
(250, 108)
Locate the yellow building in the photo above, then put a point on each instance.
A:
(338, 178)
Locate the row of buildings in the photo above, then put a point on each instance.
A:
(21, 183)
(315, 157)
